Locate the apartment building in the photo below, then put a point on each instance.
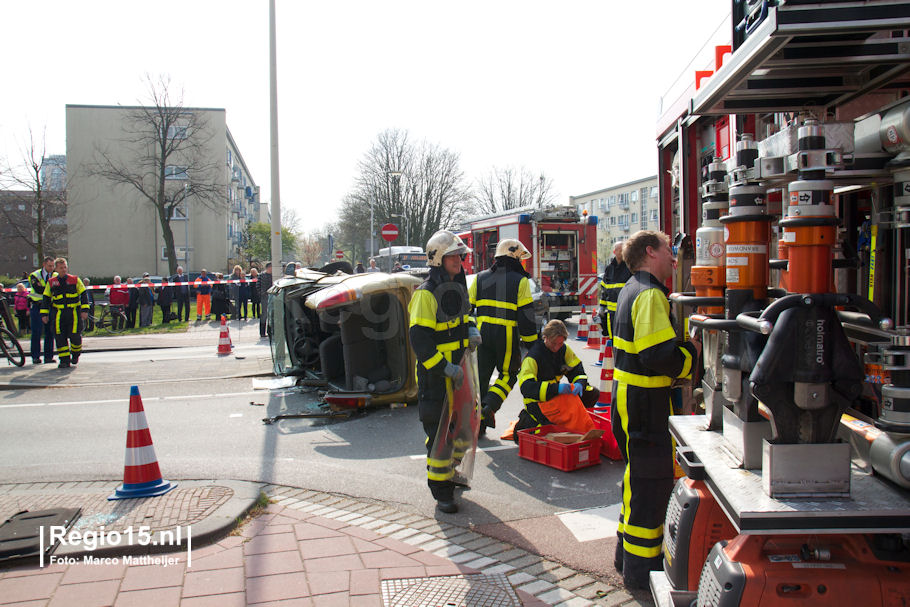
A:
(19, 233)
(114, 229)
(622, 210)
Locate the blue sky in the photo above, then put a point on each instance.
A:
(568, 88)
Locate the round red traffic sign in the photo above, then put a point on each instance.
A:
(389, 232)
(339, 254)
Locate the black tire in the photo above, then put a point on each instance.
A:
(12, 349)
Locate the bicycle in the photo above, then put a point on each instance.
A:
(113, 320)
(9, 344)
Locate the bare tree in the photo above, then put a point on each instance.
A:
(36, 217)
(510, 188)
(168, 160)
(420, 187)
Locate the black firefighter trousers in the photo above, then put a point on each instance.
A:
(499, 350)
(646, 487)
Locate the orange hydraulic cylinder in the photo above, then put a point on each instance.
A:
(709, 282)
(811, 254)
(747, 255)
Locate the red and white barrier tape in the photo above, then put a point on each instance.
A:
(163, 283)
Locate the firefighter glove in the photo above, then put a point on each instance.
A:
(566, 388)
(577, 389)
(455, 373)
(474, 338)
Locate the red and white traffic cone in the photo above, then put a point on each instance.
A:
(224, 339)
(141, 475)
(594, 333)
(582, 334)
(603, 347)
(606, 382)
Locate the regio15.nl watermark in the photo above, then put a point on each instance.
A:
(131, 536)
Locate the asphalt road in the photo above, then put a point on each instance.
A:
(214, 430)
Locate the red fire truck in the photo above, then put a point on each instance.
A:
(563, 246)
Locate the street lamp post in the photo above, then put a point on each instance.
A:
(371, 227)
(186, 226)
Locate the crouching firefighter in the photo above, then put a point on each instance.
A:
(548, 360)
(440, 332)
(504, 309)
(65, 304)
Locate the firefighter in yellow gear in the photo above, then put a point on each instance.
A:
(504, 310)
(65, 304)
(648, 357)
(440, 321)
(615, 276)
(539, 380)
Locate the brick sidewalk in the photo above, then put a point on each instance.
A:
(318, 549)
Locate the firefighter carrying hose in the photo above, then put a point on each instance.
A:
(615, 276)
(648, 359)
(65, 295)
(504, 309)
(440, 330)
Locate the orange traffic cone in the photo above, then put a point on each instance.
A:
(582, 325)
(594, 333)
(141, 475)
(224, 340)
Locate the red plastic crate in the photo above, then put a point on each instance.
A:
(608, 446)
(533, 445)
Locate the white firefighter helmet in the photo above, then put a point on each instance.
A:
(511, 247)
(444, 243)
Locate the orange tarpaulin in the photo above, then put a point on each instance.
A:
(566, 410)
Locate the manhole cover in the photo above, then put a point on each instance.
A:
(478, 590)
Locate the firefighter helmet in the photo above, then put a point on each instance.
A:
(512, 248)
(444, 243)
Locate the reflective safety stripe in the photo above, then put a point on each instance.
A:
(571, 359)
(433, 360)
(613, 285)
(440, 476)
(543, 391)
(494, 388)
(439, 463)
(642, 381)
(611, 306)
(646, 553)
(451, 346)
(636, 347)
(493, 320)
(687, 365)
(528, 338)
(643, 533)
(493, 303)
(423, 322)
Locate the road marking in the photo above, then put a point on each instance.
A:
(591, 523)
(497, 448)
(236, 415)
(69, 403)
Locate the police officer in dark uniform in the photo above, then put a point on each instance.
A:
(439, 331)
(65, 295)
(37, 281)
(615, 276)
(648, 357)
(504, 309)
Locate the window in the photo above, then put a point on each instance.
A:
(229, 157)
(653, 192)
(176, 131)
(175, 172)
(611, 201)
(633, 196)
(653, 214)
(179, 212)
(634, 217)
(612, 220)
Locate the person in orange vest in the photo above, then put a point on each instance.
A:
(65, 295)
(203, 295)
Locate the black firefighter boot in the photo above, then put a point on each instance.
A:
(487, 419)
(64, 362)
